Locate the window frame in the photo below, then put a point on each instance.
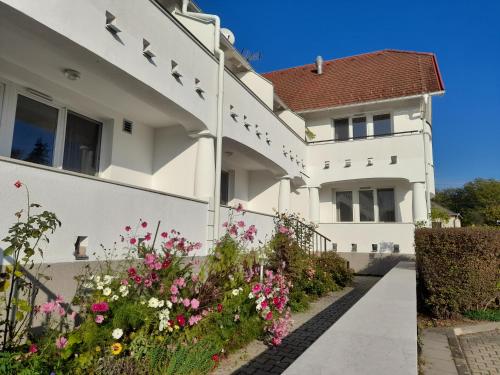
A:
(60, 133)
(391, 120)
(354, 138)
(334, 130)
(337, 213)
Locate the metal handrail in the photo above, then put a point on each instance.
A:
(316, 242)
(364, 137)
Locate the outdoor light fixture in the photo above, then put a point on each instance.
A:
(370, 162)
(71, 74)
(394, 159)
(374, 247)
(396, 248)
(347, 163)
(327, 164)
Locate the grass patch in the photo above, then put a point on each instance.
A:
(491, 315)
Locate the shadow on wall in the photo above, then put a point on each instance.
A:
(375, 263)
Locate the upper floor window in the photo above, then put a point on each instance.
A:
(36, 127)
(386, 205)
(344, 205)
(382, 125)
(341, 129)
(34, 131)
(359, 127)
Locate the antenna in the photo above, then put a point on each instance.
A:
(251, 56)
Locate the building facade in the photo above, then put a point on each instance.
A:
(111, 111)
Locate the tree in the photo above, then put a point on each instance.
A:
(40, 153)
(477, 201)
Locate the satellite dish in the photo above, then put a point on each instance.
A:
(228, 34)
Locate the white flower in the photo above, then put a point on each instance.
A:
(88, 285)
(235, 292)
(91, 277)
(106, 291)
(161, 303)
(153, 302)
(117, 333)
(164, 316)
(123, 290)
(114, 297)
(107, 279)
(250, 295)
(99, 285)
(143, 302)
(97, 279)
(169, 304)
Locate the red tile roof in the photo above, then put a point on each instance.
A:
(362, 78)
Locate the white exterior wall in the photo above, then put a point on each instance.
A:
(263, 192)
(93, 208)
(259, 85)
(293, 120)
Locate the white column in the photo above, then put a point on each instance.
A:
(419, 202)
(314, 204)
(204, 178)
(284, 194)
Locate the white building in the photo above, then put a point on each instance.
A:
(113, 111)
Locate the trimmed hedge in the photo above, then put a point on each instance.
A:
(458, 269)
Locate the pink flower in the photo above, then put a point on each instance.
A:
(283, 229)
(239, 208)
(269, 315)
(264, 304)
(193, 320)
(61, 311)
(195, 303)
(99, 319)
(124, 282)
(180, 282)
(186, 302)
(61, 342)
(133, 241)
(241, 223)
(33, 349)
(137, 279)
(174, 290)
(48, 307)
(164, 234)
(173, 299)
(148, 283)
(132, 272)
(144, 224)
(128, 228)
(169, 244)
(256, 289)
(18, 184)
(233, 231)
(100, 307)
(147, 237)
(225, 224)
(194, 278)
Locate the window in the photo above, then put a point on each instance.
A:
(341, 129)
(359, 127)
(81, 144)
(386, 205)
(34, 131)
(344, 205)
(382, 125)
(224, 188)
(366, 205)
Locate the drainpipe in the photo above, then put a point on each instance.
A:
(220, 92)
(426, 170)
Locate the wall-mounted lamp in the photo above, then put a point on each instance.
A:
(327, 164)
(347, 163)
(72, 74)
(369, 162)
(394, 159)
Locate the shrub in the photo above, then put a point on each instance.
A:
(335, 266)
(489, 314)
(458, 269)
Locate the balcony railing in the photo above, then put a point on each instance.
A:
(335, 140)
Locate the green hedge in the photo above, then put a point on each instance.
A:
(458, 269)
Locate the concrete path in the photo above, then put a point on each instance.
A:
(276, 360)
(436, 353)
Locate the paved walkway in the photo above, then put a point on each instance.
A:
(276, 360)
(482, 352)
(436, 353)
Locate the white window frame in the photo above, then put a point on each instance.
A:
(8, 106)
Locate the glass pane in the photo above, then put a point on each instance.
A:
(386, 205)
(81, 144)
(366, 205)
(382, 125)
(34, 131)
(344, 205)
(341, 129)
(359, 127)
(224, 188)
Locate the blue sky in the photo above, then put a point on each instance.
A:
(464, 34)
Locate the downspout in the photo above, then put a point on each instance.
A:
(220, 92)
(426, 170)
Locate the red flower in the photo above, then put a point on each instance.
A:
(128, 228)
(215, 358)
(166, 263)
(269, 315)
(144, 224)
(18, 184)
(137, 279)
(219, 307)
(164, 234)
(147, 237)
(100, 307)
(132, 272)
(33, 349)
(133, 241)
(181, 320)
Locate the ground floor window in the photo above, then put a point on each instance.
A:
(366, 205)
(224, 188)
(34, 131)
(37, 128)
(344, 205)
(386, 205)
